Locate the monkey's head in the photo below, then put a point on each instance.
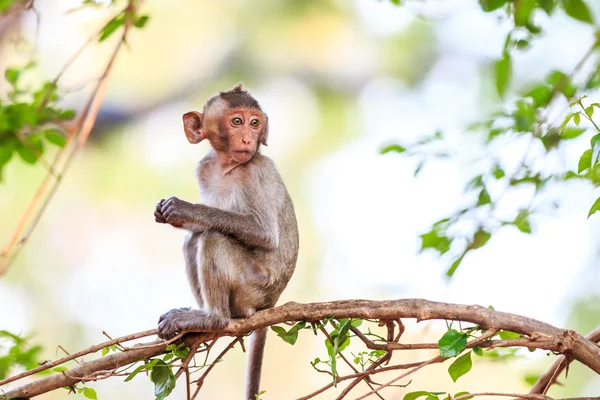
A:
(233, 123)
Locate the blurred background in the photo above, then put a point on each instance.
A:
(338, 79)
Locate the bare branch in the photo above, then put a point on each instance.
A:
(549, 377)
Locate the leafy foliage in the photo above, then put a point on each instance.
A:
(30, 119)
(524, 116)
(16, 351)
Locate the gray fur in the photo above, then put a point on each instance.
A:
(241, 249)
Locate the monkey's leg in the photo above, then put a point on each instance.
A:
(190, 253)
(211, 272)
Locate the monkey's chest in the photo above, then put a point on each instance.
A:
(224, 197)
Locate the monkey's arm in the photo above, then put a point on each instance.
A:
(252, 229)
(191, 227)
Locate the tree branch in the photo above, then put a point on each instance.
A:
(536, 334)
(549, 377)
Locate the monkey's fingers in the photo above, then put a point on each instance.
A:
(169, 328)
(170, 201)
(158, 217)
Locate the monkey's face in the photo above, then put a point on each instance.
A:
(241, 130)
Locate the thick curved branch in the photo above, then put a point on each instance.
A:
(544, 336)
(549, 377)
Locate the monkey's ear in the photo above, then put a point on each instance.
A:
(265, 131)
(192, 125)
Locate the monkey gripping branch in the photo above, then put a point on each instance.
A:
(168, 360)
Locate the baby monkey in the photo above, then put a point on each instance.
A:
(242, 244)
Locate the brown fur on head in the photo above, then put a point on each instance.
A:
(232, 121)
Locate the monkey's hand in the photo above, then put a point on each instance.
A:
(173, 211)
(181, 320)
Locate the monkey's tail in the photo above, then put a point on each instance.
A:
(255, 358)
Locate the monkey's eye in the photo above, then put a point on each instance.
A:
(236, 121)
(255, 123)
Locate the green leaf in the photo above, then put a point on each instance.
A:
(289, 336)
(12, 75)
(55, 136)
(67, 115)
(595, 144)
(455, 264)
(491, 5)
(26, 154)
(480, 238)
(547, 5)
(523, 10)
(141, 22)
(415, 395)
(478, 351)
(508, 335)
(452, 343)
(566, 120)
(531, 379)
(541, 95)
(589, 111)
(336, 343)
(460, 366)
(163, 378)
(143, 367)
(578, 10)
(595, 207)
(498, 172)
(524, 116)
(182, 353)
(463, 394)
(503, 70)
(562, 83)
(577, 118)
(105, 351)
(90, 393)
(484, 198)
(476, 182)
(522, 221)
(171, 347)
(112, 26)
(433, 240)
(585, 161)
(6, 151)
(571, 133)
(60, 369)
(392, 147)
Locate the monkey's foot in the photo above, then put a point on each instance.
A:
(181, 320)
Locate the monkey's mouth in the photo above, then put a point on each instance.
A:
(243, 152)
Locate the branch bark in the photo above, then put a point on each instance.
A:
(548, 337)
(549, 377)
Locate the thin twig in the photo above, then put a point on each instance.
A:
(361, 375)
(89, 350)
(200, 380)
(411, 371)
(516, 395)
(83, 126)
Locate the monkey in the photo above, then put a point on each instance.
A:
(242, 242)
